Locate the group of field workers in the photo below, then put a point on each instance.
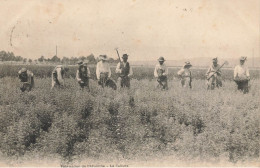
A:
(125, 72)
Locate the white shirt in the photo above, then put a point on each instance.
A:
(241, 71)
(162, 67)
(184, 72)
(103, 67)
(118, 69)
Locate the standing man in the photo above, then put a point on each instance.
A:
(26, 78)
(161, 72)
(185, 75)
(83, 75)
(242, 76)
(124, 70)
(214, 75)
(103, 71)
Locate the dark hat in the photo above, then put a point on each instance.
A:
(243, 58)
(80, 62)
(215, 59)
(125, 56)
(161, 59)
(103, 57)
(187, 64)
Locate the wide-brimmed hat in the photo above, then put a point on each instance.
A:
(215, 59)
(103, 57)
(59, 66)
(23, 70)
(187, 64)
(242, 58)
(161, 59)
(125, 56)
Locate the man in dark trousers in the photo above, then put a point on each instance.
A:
(26, 78)
(83, 75)
(242, 76)
(124, 70)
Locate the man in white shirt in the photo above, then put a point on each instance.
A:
(124, 70)
(103, 71)
(242, 76)
(161, 73)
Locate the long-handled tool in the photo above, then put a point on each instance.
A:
(225, 63)
(118, 54)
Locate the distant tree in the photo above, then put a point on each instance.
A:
(24, 60)
(55, 59)
(41, 59)
(74, 60)
(82, 58)
(30, 61)
(65, 60)
(2, 54)
(18, 58)
(92, 59)
(111, 60)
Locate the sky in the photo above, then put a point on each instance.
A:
(144, 29)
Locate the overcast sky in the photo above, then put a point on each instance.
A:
(145, 29)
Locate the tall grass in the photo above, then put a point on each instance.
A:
(44, 71)
(141, 122)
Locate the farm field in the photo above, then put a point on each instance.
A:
(45, 71)
(126, 125)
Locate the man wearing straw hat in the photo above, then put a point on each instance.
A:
(83, 74)
(242, 76)
(26, 78)
(103, 71)
(161, 73)
(124, 70)
(185, 75)
(214, 74)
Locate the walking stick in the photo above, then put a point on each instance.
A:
(217, 69)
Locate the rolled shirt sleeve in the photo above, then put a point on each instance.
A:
(118, 69)
(165, 70)
(109, 71)
(88, 72)
(77, 76)
(180, 72)
(130, 71)
(235, 72)
(209, 70)
(98, 71)
(247, 72)
(155, 71)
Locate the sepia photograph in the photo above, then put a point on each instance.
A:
(129, 83)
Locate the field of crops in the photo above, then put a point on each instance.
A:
(126, 125)
(44, 71)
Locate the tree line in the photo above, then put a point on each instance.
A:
(9, 56)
